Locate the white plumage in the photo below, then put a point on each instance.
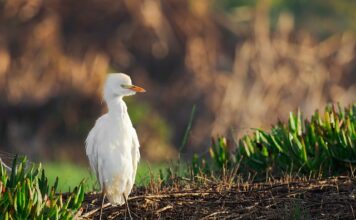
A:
(112, 145)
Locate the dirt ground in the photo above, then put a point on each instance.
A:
(332, 198)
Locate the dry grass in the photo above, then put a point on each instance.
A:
(332, 198)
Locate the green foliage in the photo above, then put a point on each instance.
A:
(189, 127)
(219, 152)
(325, 144)
(173, 173)
(321, 17)
(26, 194)
(70, 175)
(147, 172)
(142, 113)
(199, 165)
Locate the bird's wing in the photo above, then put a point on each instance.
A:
(92, 149)
(135, 153)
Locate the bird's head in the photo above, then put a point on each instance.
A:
(119, 85)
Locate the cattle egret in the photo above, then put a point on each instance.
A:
(112, 145)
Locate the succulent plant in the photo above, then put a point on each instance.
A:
(25, 194)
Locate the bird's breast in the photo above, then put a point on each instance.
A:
(117, 135)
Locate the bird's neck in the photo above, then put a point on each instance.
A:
(117, 107)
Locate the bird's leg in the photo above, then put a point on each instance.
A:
(127, 206)
(102, 204)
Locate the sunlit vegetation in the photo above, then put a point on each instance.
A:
(70, 175)
(26, 194)
(153, 130)
(324, 144)
(319, 17)
(291, 152)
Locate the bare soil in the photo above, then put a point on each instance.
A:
(332, 198)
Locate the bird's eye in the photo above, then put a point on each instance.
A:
(125, 86)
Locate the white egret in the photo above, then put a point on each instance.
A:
(112, 145)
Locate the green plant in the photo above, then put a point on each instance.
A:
(219, 152)
(25, 194)
(323, 144)
(199, 165)
(326, 142)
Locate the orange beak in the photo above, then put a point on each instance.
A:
(137, 88)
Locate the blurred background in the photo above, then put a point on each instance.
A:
(243, 64)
